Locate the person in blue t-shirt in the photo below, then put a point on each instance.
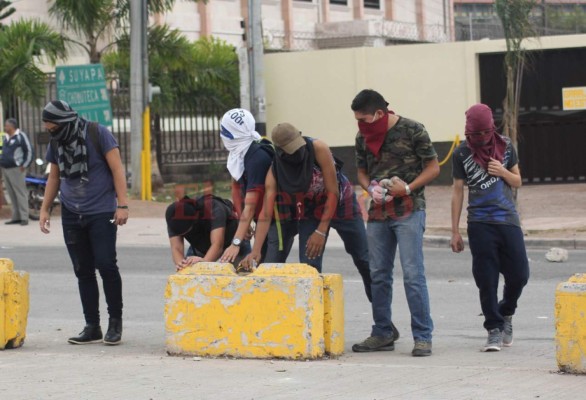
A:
(487, 163)
(249, 160)
(86, 167)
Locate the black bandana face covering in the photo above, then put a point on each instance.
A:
(295, 158)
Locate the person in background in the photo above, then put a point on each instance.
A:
(15, 158)
(399, 152)
(487, 163)
(87, 171)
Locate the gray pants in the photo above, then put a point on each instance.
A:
(16, 188)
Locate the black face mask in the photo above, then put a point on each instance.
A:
(295, 158)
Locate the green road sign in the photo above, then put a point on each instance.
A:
(83, 87)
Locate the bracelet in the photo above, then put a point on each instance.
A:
(123, 207)
(320, 233)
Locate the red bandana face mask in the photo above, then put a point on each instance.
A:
(481, 136)
(375, 132)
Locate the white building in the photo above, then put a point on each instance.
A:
(315, 24)
(300, 24)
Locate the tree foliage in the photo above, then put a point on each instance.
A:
(98, 21)
(22, 43)
(515, 16)
(202, 73)
(568, 21)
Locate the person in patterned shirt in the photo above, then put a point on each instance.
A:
(487, 163)
(395, 160)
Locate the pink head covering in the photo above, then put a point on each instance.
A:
(481, 136)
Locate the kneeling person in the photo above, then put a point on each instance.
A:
(208, 223)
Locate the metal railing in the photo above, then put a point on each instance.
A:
(181, 135)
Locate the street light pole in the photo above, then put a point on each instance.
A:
(257, 98)
(137, 91)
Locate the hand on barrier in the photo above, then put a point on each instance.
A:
(186, 262)
(249, 262)
(230, 254)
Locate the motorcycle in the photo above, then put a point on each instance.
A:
(36, 191)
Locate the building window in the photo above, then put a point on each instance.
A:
(339, 2)
(372, 4)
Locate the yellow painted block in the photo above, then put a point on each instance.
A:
(2, 311)
(276, 311)
(570, 322)
(14, 305)
(6, 265)
(333, 314)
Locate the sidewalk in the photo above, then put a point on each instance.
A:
(552, 216)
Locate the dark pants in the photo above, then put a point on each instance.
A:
(91, 242)
(498, 249)
(349, 225)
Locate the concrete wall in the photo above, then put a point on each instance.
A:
(431, 83)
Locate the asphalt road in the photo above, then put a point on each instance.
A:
(47, 367)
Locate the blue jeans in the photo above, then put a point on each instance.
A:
(289, 229)
(349, 225)
(383, 238)
(91, 243)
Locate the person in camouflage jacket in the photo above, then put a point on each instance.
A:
(395, 159)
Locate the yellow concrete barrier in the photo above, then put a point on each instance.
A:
(333, 314)
(570, 323)
(278, 311)
(14, 305)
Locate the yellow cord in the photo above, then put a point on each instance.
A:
(279, 230)
(454, 145)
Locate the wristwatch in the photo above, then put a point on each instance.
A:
(407, 190)
(236, 242)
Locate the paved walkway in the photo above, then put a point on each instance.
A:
(552, 216)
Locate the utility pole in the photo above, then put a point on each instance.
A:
(256, 50)
(137, 90)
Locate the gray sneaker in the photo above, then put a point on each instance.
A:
(421, 349)
(494, 341)
(374, 343)
(508, 331)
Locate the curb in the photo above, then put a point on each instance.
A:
(532, 243)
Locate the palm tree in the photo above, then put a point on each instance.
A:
(203, 73)
(22, 44)
(517, 26)
(97, 21)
